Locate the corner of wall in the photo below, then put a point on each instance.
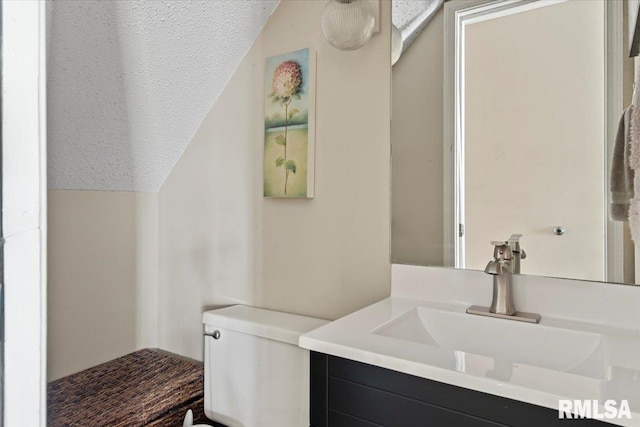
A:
(221, 242)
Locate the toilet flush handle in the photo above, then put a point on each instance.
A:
(215, 334)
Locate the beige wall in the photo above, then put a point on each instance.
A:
(416, 138)
(102, 257)
(221, 242)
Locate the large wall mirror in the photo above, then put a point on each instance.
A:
(504, 121)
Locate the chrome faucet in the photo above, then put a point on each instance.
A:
(501, 267)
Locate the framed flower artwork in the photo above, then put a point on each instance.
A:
(289, 125)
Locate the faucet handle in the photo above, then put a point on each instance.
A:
(502, 251)
(514, 241)
(515, 237)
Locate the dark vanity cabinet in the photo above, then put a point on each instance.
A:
(345, 393)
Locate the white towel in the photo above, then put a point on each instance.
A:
(622, 174)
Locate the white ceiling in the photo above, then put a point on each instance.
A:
(405, 11)
(129, 83)
(412, 16)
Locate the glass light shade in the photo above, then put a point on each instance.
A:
(348, 24)
(396, 44)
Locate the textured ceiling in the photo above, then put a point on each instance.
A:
(405, 11)
(129, 83)
(412, 16)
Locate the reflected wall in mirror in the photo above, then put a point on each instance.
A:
(504, 120)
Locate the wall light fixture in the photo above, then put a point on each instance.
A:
(348, 24)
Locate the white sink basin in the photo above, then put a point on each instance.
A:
(585, 347)
(507, 342)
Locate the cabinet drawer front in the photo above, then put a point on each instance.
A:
(392, 410)
(337, 419)
(473, 403)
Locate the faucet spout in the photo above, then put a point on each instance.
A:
(493, 267)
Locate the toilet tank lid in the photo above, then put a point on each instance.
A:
(275, 325)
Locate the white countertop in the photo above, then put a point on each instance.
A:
(615, 375)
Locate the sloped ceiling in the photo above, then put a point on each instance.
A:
(405, 11)
(129, 82)
(412, 16)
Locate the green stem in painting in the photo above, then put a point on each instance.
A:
(286, 124)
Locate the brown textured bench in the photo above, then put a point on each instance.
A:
(147, 388)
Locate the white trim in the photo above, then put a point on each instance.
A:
(24, 210)
(448, 137)
(42, 134)
(453, 214)
(493, 9)
(614, 234)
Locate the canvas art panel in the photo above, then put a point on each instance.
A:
(289, 119)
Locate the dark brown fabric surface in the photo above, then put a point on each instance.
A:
(145, 388)
(175, 416)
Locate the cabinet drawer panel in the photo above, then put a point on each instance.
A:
(474, 403)
(318, 397)
(337, 419)
(391, 410)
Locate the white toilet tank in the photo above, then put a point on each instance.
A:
(255, 373)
